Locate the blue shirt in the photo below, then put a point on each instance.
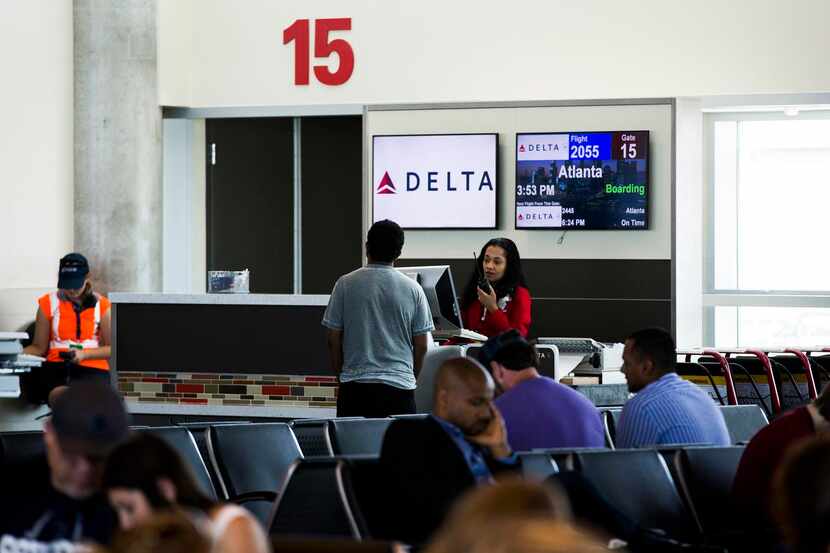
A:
(671, 410)
(473, 454)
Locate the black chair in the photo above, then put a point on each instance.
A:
(751, 381)
(563, 458)
(182, 441)
(252, 461)
(199, 431)
(282, 544)
(821, 369)
(705, 476)
(30, 330)
(793, 380)
(24, 472)
(638, 484)
(697, 372)
(537, 465)
(20, 448)
(313, 437)
(369, 492)
(610, 421)
(318, 500)
(743, 421)
(22, 457)
(358, 436)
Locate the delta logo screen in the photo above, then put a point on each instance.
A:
(437, 181)
(582, 180)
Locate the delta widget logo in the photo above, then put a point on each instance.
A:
(386, 185)
(434, 181)
(521, 147)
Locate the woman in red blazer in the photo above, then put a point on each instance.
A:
(505, 304)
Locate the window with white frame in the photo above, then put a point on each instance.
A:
(768, 260)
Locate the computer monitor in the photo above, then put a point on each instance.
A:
(439, 288)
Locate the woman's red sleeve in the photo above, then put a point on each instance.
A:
(472, 317)
(517, 315)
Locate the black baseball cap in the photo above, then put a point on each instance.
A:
(89, 418)
(72, 271)
(491, 348)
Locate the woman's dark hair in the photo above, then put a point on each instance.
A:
(171, 532)
(513, 275)
(138, 464)
(801, 496)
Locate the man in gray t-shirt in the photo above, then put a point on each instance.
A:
(378, 323)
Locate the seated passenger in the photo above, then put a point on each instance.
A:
(167, 532)
(427, 463)
(530, 535)
(666, 409)
(802, 497)
(145, 475)
(763, 456)
(72, 331)
(509, 500)
(65, 508)
(538, 412)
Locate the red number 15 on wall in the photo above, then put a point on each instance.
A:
(298, 33)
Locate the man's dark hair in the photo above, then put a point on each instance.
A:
(384, 242)
(510, 350)
(655, 344)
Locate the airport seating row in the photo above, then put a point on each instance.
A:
(260, 465)
(687, 498)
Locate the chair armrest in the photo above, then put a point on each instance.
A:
(253, 496)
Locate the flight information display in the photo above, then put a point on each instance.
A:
(582, 180)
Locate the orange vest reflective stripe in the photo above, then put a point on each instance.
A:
(64, 332)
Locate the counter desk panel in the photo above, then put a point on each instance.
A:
(250, 355)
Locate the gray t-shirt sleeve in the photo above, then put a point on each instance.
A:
(333, 317)
(422, 319)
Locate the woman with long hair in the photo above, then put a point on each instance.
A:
(496, 297)
(801, 496)
(144, 476)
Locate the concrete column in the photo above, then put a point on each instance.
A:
(118, 186)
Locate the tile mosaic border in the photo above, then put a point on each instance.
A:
(228, 389)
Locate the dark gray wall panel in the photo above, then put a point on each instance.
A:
(250, 200)
(604, 320)
(599, 298)
(331, 157)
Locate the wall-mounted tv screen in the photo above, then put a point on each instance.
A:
(582, 180)
(436, 181)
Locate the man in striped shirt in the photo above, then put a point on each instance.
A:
(666, 409)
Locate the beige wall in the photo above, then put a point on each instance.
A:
(224, 53)
(36, 158)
